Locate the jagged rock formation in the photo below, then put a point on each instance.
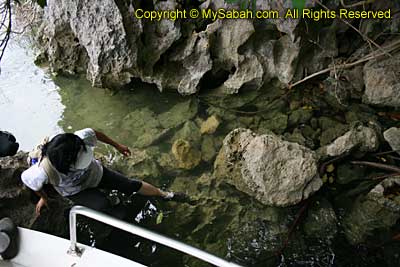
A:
(382, 86)
(392, 136)
(273, 171)
(363, 138)
(113, 47)
(16, 200)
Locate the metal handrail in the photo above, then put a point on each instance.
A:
(133, 229)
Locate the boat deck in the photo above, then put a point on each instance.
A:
(42, 250)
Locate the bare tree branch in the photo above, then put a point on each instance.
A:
(5, 27)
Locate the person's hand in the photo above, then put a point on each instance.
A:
(124, 150)
(42, 202)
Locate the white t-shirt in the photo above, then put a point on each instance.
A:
(76, 180)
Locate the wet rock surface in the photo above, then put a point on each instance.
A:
(16, 201)
(381, 85)
(378, 210)
(273, 171)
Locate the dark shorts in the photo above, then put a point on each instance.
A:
(96, 199)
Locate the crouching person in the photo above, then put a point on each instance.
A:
(67, 163)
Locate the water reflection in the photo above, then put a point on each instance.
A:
(30, 105)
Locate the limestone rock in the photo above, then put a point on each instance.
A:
(16, 203)
(364, 138)
(186, 156)
(247, 70)
(284, 25)
(249, 74)
(210, 125)
(10, 173)
(93, 29)
(186, 66)
(392, 136)
(381, 84)
(273, 171)
(378, 210)
(278, 57)
(159, 36)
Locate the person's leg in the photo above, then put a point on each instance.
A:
(91, 198)
(114, 180)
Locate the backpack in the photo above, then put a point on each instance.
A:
(36, 157)
(8, 144)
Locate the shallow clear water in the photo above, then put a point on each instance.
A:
(223, 221)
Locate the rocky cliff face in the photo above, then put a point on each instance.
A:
(105, 40)
(17, 202)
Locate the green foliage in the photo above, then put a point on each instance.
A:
(159, 218)
(299, 4)
(42, 3)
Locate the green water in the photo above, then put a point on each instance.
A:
(219, 219)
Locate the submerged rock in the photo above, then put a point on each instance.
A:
(321, 221)
(140, 165)
(276, 123)
(299, 116)
(378, 210)
(143, 127)
(392, 136)
(186, 156)
(363, 138)
(208, 149)
(189, 132)
(271, 170)
(210, 125)
(179, 114)
(250, 228)
(381, 84)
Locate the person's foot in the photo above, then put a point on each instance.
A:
(177, 196)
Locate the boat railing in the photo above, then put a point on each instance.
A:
(139, 231)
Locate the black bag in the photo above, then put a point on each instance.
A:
(8, 144)
(9, 239)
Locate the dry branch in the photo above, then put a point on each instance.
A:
(377, 165)
(373, 55)
(366, 38)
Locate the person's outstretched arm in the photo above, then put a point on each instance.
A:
(150, 190)
(107, 140)
(42, 201)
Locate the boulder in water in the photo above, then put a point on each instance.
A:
(271, 170)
